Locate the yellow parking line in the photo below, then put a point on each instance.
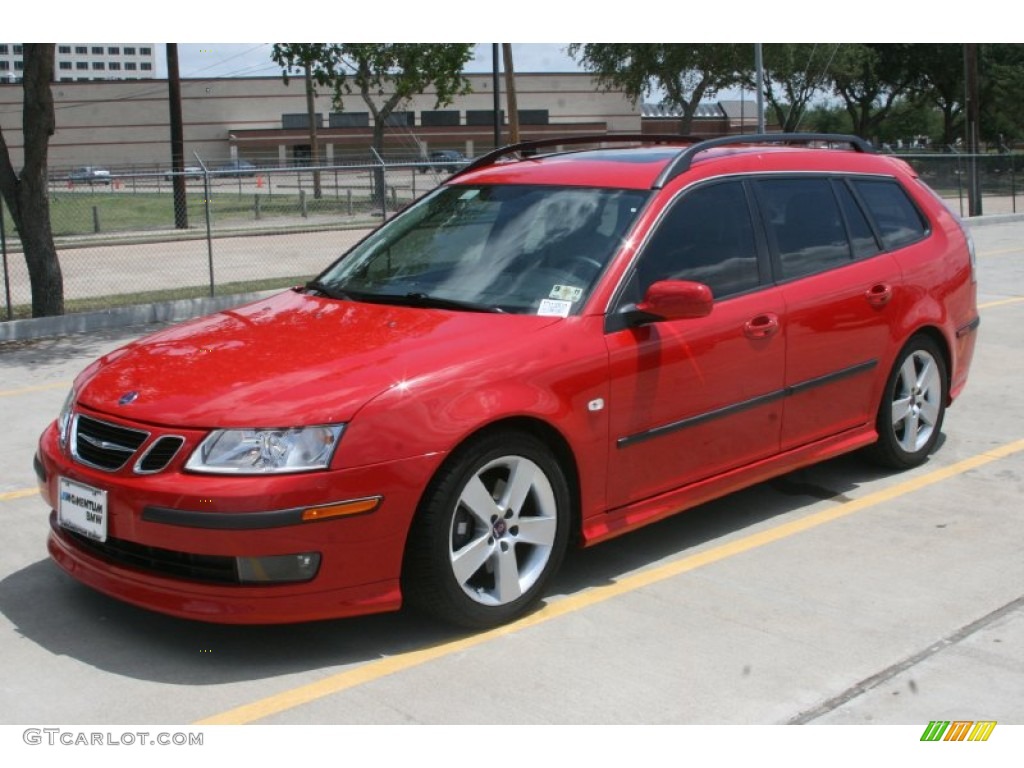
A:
(1001, 252)
(1000, 302)
(19, 494)
(36, 388)
(376, 670)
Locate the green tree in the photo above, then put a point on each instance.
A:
(871, 80)
(827, 119)
(302, 57)
(1002, 92)
(26, 193)
(794, 73)
(686, 72)
(385, 75)
(940, 85)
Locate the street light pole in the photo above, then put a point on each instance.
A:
(497, 96)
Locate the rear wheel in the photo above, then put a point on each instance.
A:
(913, 406)
(490, 532)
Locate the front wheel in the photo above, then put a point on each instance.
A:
(913, 406)
(490, 532)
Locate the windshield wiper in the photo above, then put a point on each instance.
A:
(327, 290)
(416, 299)
(426, 300)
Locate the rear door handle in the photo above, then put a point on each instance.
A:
(879, 295)
(761, 326)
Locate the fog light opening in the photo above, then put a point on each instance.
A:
(278, 569)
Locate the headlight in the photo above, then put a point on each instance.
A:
(263, 451)
(64, 419)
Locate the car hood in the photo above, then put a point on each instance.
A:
(289, 360)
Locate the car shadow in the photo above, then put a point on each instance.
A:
(65, 618)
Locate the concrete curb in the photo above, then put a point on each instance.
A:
(119, 317)
(995, 218)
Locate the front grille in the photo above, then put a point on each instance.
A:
(159, 454)
(208, 569)
(104, 445)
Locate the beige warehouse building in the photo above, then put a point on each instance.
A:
(124, 125)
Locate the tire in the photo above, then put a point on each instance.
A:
(490, 532)
(913, 406)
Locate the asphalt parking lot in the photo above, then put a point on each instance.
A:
(836, 595)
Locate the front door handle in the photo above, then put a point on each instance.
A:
(761, 326)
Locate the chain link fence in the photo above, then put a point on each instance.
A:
(949, 175)
(125, 239)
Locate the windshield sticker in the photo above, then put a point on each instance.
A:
(469, 194)
(553, 308)
(566, 293)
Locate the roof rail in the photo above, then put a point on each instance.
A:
(682, 163)
(526, 148)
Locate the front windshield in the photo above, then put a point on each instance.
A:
(510, 248)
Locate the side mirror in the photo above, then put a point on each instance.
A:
(676, 300)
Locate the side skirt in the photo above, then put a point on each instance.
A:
(615, 522)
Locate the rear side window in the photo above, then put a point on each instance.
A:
(897, 218)
(805, 225)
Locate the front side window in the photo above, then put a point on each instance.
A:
(804, 224)
(706, 237)
(522, 249)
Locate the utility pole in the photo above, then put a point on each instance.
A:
(759, 80)
(973, 121)
(177, 139)
(510, 94)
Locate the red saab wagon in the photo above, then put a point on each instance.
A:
(562, 343)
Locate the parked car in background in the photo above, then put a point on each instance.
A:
(90, 174)
(236, 168)
(189, 172)
(547, 349)
(444, 161)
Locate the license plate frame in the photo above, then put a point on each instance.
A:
(83, 509)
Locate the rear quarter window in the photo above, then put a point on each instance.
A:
(898, 220)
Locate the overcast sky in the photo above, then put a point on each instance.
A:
(253, 59)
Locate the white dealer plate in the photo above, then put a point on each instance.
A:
(83, 509)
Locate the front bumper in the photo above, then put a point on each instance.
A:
(173, 517)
